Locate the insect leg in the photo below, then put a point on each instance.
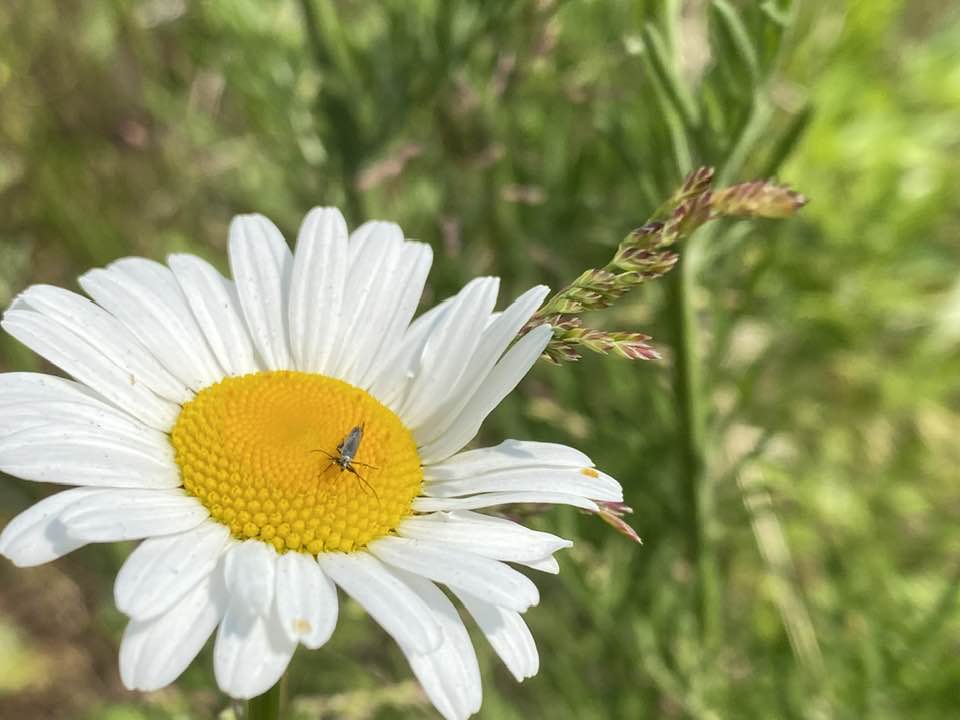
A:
(366, 485)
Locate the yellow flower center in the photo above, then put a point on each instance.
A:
(261, 453)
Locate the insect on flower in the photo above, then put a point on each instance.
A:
(346, 452)
(319, 533)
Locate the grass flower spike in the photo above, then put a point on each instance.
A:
(276, 436)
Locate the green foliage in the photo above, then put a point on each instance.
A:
(792, 459)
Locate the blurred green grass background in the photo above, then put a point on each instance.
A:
(793, 460)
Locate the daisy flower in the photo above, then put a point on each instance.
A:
(276, 436)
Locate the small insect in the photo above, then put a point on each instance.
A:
(346, 452)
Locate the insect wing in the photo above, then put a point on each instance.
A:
(351, 443)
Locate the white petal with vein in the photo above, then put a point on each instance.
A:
(87, 415)
(216, 308)
(587, 482)
(145, 297)
(547, 565)
(75, 455)
(306, 600)
(26, 387)
(372, 278)
(162, 570)
(508, 455)
(496, 538)
(488, 579)
(36, 536)
(384, 309)
(251, 652)
(486, 500)
(155, 652)
(389, 601)
(504, 377)
(413, 268)
(392, 384)
(249, 569)
(449, 348)
(492, 343)
(103, 331)
(317, 289)
(507, 633)
(450, 675)
(90, 366)
(133, 514)
(261, 263)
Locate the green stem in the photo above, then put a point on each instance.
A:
(271, 705)
(688, 394)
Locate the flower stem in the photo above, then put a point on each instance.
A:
(271, 705)
(688, 390)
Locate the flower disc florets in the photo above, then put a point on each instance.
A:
(256, 451)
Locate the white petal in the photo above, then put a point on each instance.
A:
(90, 366)
(495, 538)
(449, 348)
(413, 268)
(73, 455)
(398, 610)
(260, 262)
(251, 653)
(155, 652)
(369, 298)
(80, 428)
(133, 515)
(316, 288)
(494, 340)
(306, 600)
(547, 565)
(89, 415)
(103, 331)
(487, 500)
(450, 675)
(386, 280)
(360, 235)
(162, 570)
(145, 297)
(507, 633)
(392, 385)
(36, 536)
(379, 316)
(29, 387)
(543, 541)
(216, 308)
(249, 570)
(504, 377)
(489, 579)
(509, 454)
(587, 482)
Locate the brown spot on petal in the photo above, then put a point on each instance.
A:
(301, 626)
(590, 472)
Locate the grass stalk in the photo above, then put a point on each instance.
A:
(691, 441)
